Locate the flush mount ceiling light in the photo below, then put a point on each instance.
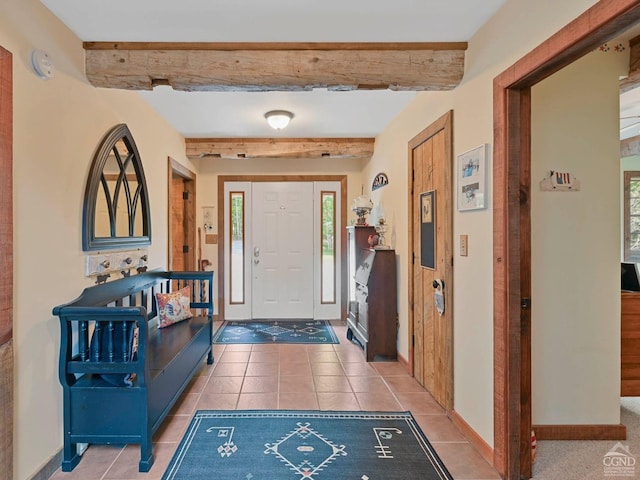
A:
(278, 119)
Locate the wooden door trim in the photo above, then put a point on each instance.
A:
(6, 264)
(176, 168)
(222, 179)
(511, 219)
(444, 123)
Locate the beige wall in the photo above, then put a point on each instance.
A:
(576, 244)
(514, 31)
(58, 125)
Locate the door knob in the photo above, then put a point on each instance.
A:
(256, 261)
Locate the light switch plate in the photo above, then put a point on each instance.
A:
(464, 245)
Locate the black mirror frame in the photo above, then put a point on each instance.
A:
(89, 240)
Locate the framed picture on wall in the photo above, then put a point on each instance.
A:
(472, 179)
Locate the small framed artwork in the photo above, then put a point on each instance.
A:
(428, 229)
(472, 179)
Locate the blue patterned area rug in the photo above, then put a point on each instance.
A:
(276, 331)
(299, 445)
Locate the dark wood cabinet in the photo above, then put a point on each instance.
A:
(372, 317)
(630, 344)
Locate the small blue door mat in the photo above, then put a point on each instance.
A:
(275, 331)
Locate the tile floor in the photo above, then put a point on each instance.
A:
(325, 377)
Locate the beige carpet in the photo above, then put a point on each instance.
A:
(582, 460)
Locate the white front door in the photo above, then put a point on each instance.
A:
(282, 250)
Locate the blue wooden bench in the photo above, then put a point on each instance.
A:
(113, 396)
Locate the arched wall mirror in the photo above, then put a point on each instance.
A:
(116, 204)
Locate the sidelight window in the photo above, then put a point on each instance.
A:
(328, 247)
(237, 243)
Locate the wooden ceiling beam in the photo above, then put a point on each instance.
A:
(275, 66)
(301, 148)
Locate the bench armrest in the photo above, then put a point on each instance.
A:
(201, 287)
(79, 323)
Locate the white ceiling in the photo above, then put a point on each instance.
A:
(318, 113)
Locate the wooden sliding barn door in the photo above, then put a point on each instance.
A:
(431, 334)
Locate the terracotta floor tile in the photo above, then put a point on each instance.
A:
(218, 349)
(419, 403)
(264, 357)
(266, 347)
(439, 428)
(287, 368)
(238, 347)
(217, 401)
(297, 383)
(359, 369)
(389, 368)
(234, 356)
(368, 384)
(327, 368)
(464, 462)
(338, 401)
(262, 369)
(172, 428)
(94, 463)
(297, 401)
(378, 402)
(259, 384)
(323, 356)
(186, 404)
(126, 465)
(329, 383)
(351, 355)
(229, 369)
(258, 401)
(404, 384)
(224, 385)
(197, 384)
(321, 347)
(293, 350)
(205, 371)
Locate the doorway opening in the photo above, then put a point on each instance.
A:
(182, 218)
(512, 221)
